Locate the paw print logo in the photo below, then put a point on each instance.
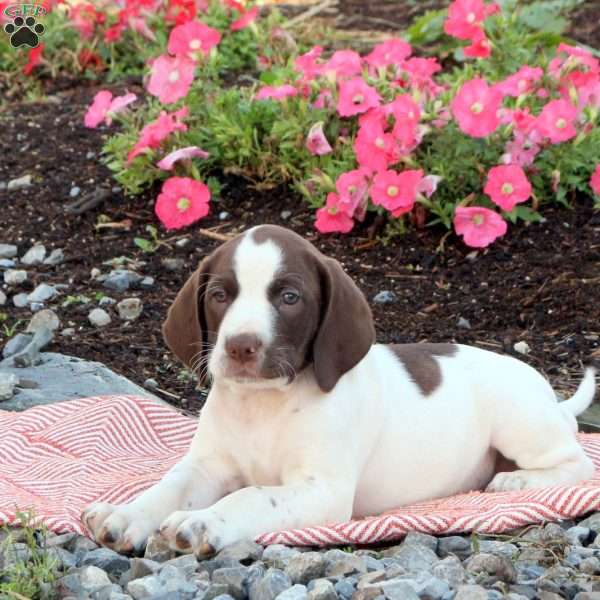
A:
(24, 32)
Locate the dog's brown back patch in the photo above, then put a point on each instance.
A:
(420, 362)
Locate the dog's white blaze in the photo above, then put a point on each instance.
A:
(255, 266)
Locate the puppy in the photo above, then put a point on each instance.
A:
(309, 422)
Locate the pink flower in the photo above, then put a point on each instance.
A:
(316, 142)
(428, 185)
(324, 99)
(352, 188)
(104, 107)
(507, 186)
(407, 115)
(374, 148)
(480, 46)
(171, 77)
(166, 164)
(479, 226)
(556, 121)
(390, 52)
(595, 181)
(520, 82)
(154, 133)
(114, 33)
(181, 202)
(307, 63)
(466, 16)
(396, 191)
(34, 58)
(356, 97)
(344, 63)
(520, 151)
(475, 107)
(331, 218)
(280, 92)
(248, 17)
(192, 38)
(140, 25)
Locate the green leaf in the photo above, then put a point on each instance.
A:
(143, 244)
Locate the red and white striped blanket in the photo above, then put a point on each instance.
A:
(56, 459)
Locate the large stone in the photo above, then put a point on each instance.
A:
(592, 522)
(339, 563)
(35, 255)
(450, 569)
(454, 545)
(306, 566)
(270, 586)
(44, 319)
(157, 547)
(108, 560)
(98, 317)
(60, 377)
(234, 578)
(296, 592)
(244, 551)
(8, 250)
(321, 589)
(415, 537)
(14, 276)
(278, 555)
(130, 309)
(56, 257)
(19, 183)
(8, 381)
(16, 344)
(42, 293)
(471, 592)
(414, 557)
(121, 280)
(495, 565)
(93, 578)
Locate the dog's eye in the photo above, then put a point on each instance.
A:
(219, 295)
(290, 297)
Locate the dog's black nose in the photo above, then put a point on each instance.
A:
(243, 348)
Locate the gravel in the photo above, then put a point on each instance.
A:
(15, 276)
(8, 251)
(98, 317)
(35, 255)
(130, 309)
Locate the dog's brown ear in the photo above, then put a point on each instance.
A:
(346, 331)
(184, 330)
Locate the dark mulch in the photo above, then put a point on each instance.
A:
(539, 284)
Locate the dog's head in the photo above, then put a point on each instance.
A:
(265, 305)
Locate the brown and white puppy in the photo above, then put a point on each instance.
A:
(308, 421)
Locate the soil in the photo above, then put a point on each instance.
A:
(540, 284)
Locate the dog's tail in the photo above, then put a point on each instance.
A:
(584, 395)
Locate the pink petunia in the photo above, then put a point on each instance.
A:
(324, 99)
(352, 188)
(316, 142)
(465, 18)
(307, 64)
(396, 192)
(507, 186)
(182, 201)
(479, 47)
(428, 185)
(331, 218)
(343, 63)
(479, 226)
(280, 92)
(140, 25)
(375, 149)
(595, 181)
(356, 97)
(391, 52)
(166, 164)
(556, 121)
(171, 78)
(521, 151)
(475, 107)
(246, 19)
(521, 82)
(192, 38)
(96, 112)
(406, 115)
(153, 134)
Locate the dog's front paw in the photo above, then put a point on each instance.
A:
(510, 482)
(200, 531)
(122, 527)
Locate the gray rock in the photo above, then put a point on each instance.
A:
(393, 589)
(577, 535)
(146, 587)
(223, 215)
(587, 596)
(98, 317)
(322, 589)
(74, 191)
(8, 250)
(433, 588)
(174, 582)
(57, 256)
(471, 592)
(370, 578)
(107, 560)
(147, 282)
(186, 564)
(455, 545)
(64, 559)
(242, 551)
(215, 590)
(463, 323)
(496, 565)
(16, 344)
(130, 309)
(140, 567)
(157, 548)
(278, 555)
(7, 263)
(20, 300)
(234, 578)
(151, 384)
(121, 280)
(590, 566)
(14, 276)
(415, 537)
(93, 578)
(8, 381)
(19, 183)
(495, 547)
(182, 243)
(106, 301)
(306, 566)
(53, 540)
(30, 355)
(345, 588)
(286, 214)
(68, 332)
(45, 319)
(35, 306)
(296, 592)
(385, 297)
(270, 586)
(592, 522)
(59, 377)
(414, 557)
(35, 255)
(173, 264)
(41, 293)
(450, 569)
(2, 298)
(338, 563)
(80, 545)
